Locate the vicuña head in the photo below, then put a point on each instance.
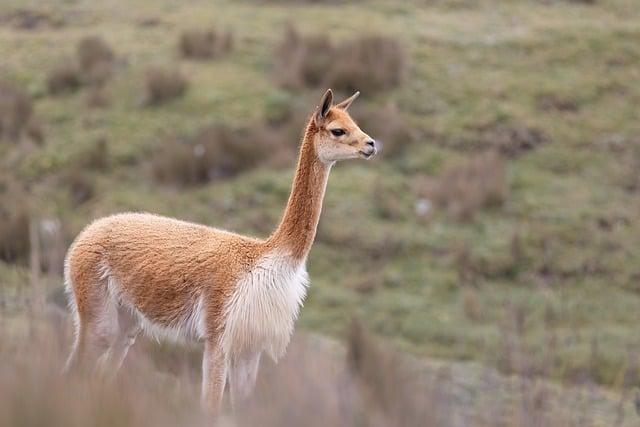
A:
(337, 136)
(136, 272)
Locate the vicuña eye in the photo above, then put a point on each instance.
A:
(337, 132)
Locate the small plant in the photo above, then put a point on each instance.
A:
(95, 60)
(372, 63)
(16, 111)
(209, 44)
(464, 189)
(215, 152)
(14, 229)
(63, 78)
(164, 84)
(81, 188)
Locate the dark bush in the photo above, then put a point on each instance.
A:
(16, 111)
(96, 60)
(215, 152)
(80, 184)
(198, 44)
(303, 60)
(95, 158)
(163, 85)
(63, 78)
(462, 190)
(14, 229)
(371, 63)
(35, 132)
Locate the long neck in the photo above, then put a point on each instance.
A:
(297, 229)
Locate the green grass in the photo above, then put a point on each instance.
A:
(473, 66)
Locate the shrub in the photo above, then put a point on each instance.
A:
(94, 67)
(14, 227)
(303, 60)
(215, 152)
(80, 186)
(198, 44)
(35, 131)
(464, 189)
(163, 85)
(372, 62)
(95, 59)
(16, 110)
(96, 157)
(63, 78)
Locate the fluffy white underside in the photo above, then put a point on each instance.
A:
(264, 306)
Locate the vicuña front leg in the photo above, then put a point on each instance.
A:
(214, 376)
(244, 370)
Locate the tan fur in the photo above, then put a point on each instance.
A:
(133, 267)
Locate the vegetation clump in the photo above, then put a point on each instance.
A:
(214, 152)
(16, 114)
(370, 63)
(164, 84)
(95, 59)
(205, 44)
(462, 190)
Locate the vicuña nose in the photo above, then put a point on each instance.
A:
(371, 143)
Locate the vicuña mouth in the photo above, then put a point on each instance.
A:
(367, 155)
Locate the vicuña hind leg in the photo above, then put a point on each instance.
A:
(128, 328)
(97, 326)
(244, 370)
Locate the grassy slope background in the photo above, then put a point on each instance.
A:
(550, 275)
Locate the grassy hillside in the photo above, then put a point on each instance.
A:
(528, 259)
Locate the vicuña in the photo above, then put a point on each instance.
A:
(136, 272)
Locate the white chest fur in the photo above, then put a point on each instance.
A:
(261, 313)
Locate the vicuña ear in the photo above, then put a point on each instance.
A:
(323, 109)
(347, 102)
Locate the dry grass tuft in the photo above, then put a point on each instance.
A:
(16, 113)
(215, 152)
(205, 44)
(14, 227)
(316, 384)
(372, 63)
(462, 190)
(164, 84)
(96, 60)
(81, 188)
(93, 67)
(64, 78)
